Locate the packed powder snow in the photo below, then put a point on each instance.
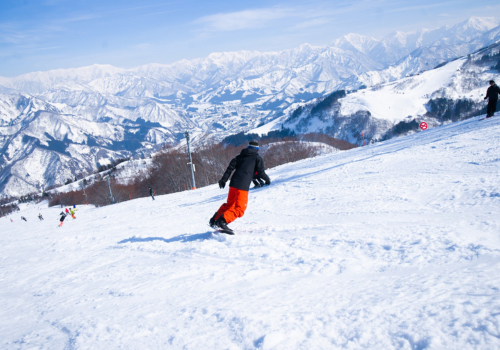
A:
(390, 246)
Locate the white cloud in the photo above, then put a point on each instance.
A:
(246, 19)
(311, 23)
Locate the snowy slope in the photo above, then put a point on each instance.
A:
(406, 97)
(390, 246)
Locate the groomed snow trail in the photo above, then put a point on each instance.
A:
(390, 246)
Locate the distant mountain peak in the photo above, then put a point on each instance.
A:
(359, 42)
(480, 23)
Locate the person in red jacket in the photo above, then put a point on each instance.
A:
(244, 165)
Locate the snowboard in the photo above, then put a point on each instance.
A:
(487, 118)
(256, 188)
(218, 229)
(224, 231)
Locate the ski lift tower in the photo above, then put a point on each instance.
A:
(109, 187)
(82, 184)
(186, 134)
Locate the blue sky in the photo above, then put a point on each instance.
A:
(49, 34)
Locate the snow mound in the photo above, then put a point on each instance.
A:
(390, 246)
(398, 100)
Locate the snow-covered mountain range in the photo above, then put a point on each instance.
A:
(59, 123)
(448, 93)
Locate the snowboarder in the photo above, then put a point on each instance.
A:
(63, 216)
(72, 213)
(245, 165)
(257, 181)
(151, 193)
(492, 96)
(23, 218)
(40, 216)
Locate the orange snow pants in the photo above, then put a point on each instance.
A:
(235, 207)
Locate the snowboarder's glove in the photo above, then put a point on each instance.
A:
(222, 184)
(268, 182)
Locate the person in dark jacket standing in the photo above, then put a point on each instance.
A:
(492, 96)
(151, 193)
(244, 165)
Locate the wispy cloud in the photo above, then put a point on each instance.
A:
(20, 51)
(142, 7)
(307, 16)
(311, 23)
(79, 18)
(419, 7)
(91, 16)
(22, 33)
(158, 13)
(247, 19)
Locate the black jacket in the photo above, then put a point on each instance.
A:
(492, 92)
(246, 164)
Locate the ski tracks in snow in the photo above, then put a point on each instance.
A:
(390, 246)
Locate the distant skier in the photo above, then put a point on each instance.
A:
(492, 96)
(72, 213)
(23, 218)
(245, 165)
(67, 211)
(151, 193)
(257, 181)
(40, 216)
(63, 216)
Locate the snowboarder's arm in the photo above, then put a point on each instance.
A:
(260, 170)
(229, 170)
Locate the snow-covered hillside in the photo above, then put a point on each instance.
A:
(57, 124)
(389, 246)
(447, 93)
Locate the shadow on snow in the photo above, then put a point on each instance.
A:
(181, 238)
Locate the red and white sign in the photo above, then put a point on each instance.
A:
(423, 126)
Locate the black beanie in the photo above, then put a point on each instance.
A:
(492, 82)
(254, 143)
